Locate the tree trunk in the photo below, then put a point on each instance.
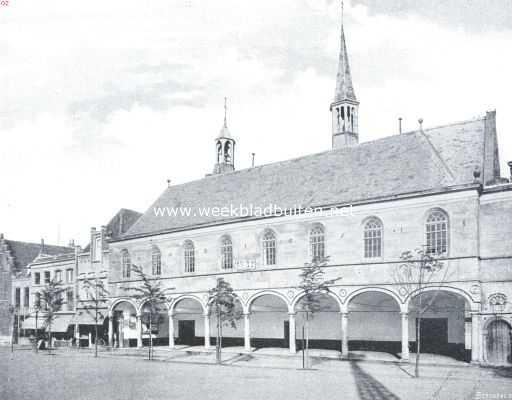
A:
(217, 342)
(96, 333)
(220, 342)
(50, 338)
(37, 334)
(307, 339)
(13, 322)
(418, 347)
(418, 336)
(150, 335)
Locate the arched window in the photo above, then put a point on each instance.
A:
(269, 248)
(226, 253)
(189, 256)
(373, 238)
(126, 264)
(436, 232)
(317, 243)
(156, 261)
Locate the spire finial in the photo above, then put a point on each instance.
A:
(344, 87)
(225, 112)
(342, 12)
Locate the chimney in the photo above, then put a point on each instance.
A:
(400, 125)
(253, 154)
(1, 236)
(42, 247)
(103, 235)
(510, 166)
(71, 243)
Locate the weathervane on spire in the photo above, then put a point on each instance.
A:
(225, 112)
(342, 11)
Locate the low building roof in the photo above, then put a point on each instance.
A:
(24, 253)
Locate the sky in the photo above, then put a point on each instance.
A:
(102, 102)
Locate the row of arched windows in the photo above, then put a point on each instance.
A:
(436, 236)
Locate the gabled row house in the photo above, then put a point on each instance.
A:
(70, 266)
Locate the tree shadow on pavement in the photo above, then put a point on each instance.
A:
(503, 372)
(368, 387)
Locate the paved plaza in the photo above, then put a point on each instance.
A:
(123, 375)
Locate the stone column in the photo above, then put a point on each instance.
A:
(139, 331)
(405, 336)
(110, 329)
(206, 331)
(171, 330)
(344, 334)
(120, 333)
(475, 337)
(292, 334)
(247, 332)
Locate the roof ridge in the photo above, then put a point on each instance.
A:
(38, 244)
(474, 119)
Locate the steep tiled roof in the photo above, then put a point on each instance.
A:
(409, 163)
(119, 224)
(122, 222)
(24, 253)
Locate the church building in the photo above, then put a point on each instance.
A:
(437, 189)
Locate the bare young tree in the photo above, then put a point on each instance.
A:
(420, 269)
(12, 313)
(97, 299)
(154, 297)
(51, 297)
(314, 285)
(222, 303)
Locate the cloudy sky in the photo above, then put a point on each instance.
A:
(102, 101)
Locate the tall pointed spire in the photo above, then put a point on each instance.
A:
(345, 107)
(344, 87)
